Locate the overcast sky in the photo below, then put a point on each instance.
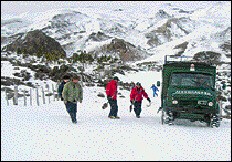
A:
(14, 8)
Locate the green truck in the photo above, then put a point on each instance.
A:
(188, 91)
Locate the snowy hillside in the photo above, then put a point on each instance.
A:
(46, 133)
(146, 27)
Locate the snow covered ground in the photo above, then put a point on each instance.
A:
(45, 132)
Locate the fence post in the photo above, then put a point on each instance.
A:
(49, 94)
(81, 79)
(43, 95)
(7, 101)
(53, 91)
(57, 96)
(221, 108)
(37, 94)
(24, 98)
(30, 97)
(15, 97)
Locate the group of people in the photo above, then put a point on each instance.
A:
(71, 92)
(137, 93)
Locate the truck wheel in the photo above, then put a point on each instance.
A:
(192, 120)
(208, 121)
(217, 120)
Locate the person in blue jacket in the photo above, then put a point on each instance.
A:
(155, 90)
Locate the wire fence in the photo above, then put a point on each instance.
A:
(34, 96)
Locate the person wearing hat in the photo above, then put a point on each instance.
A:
(136, 97)
(72, 93)
(111, 93)
(65, 78)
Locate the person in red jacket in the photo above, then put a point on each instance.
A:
(111, 92)
(136, 97)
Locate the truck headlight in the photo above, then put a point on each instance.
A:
(202, 102)
(174, 102)
(210, 103)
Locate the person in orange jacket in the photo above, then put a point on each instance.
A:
(136, 97)
(111, 92)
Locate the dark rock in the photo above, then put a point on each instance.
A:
(36, 42)
(90, 84)
(99, 36)
(100, 94)
(7, 89)
(126, 50)
(208, 56)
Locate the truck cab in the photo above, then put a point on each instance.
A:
(188, 91)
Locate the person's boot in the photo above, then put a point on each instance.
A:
(111, 117)
(137, 116)
(73, 118)
(130, 108)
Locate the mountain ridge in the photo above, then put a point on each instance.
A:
(73, 28)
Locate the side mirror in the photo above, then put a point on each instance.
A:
(158, 83)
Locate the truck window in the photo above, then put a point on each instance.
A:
(193, 79)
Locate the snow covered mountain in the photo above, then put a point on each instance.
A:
(148, 29)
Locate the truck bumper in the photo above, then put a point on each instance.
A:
(192, 110)
(191, 113)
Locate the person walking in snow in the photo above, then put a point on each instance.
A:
(65, 78)
(111, 93)
(132, 85)
(136, 97)
(155, 90)
(72, 93)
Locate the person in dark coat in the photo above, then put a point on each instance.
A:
(111, 93)
(66, 79)
(136, 97)
(224, 86)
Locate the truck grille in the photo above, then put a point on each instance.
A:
(187, 103)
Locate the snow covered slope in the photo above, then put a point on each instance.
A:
(45, 132)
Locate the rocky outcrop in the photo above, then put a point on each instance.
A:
(167, 31)
(182, 47)
(125, 50)
(36, 42)
(208, 56)
(99, 36)
(162, 14)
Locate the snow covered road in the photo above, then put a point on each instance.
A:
(46, 133)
